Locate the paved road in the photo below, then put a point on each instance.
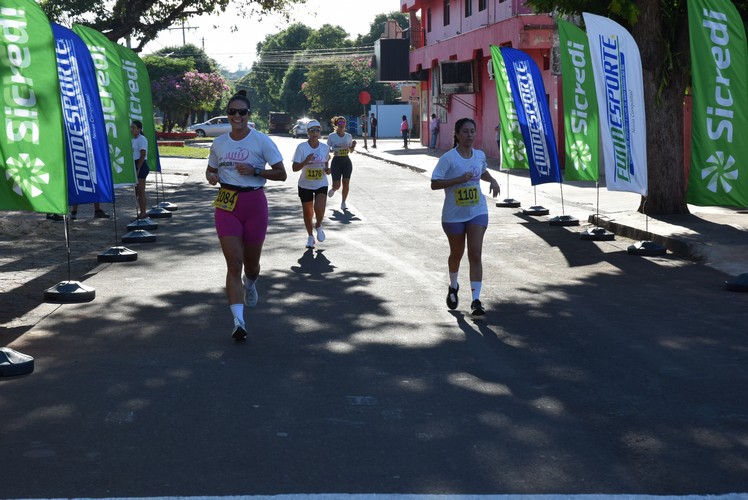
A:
(593, 372)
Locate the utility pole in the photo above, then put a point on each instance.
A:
(184, 29)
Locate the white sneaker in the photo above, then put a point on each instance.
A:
(310, 242)
(331, 192)
(250, 293)
(343, 206)
(320, 234)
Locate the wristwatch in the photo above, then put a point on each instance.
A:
(257, 171)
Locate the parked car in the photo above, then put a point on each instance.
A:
(214, 127)
(300, 127)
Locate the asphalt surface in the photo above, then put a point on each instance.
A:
(594, 371)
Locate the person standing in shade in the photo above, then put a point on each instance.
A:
(237, 161)
(497, 129)
(465, 211)
(311, 158)
(434, 129)
(140, 154)
(363, 131)
(99, 213)
(342, 145)
(373, 129)
(404, 131)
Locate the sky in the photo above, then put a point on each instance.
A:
(236, 50)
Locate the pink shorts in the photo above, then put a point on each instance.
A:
(248, 220)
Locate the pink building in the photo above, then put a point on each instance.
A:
(450, 56)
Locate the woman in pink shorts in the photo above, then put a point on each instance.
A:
(237, 161)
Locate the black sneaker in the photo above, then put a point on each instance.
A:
(55, 217)
(73, 215)
(100, 214)
(452, 300)
(239, 333)
(476, 308)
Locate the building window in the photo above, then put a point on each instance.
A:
(428, 20)
(446, 12)
(482, 5)
(468, 8)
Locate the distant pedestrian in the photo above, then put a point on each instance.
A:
(99, 213)
(497, 129)
(373, 129)
(363, 130)
(237, 161)
(311, 158)
(404, 127)
(140, 154)
(434, 129)
(465, 212)
(342, 145)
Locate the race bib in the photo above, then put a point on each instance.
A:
(341, 152)
(467, 196)
(226, 199)
(314, 174)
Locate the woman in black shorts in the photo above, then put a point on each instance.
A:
(342, 145)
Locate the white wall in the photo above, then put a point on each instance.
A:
(389, 117)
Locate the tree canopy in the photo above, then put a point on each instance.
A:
(317, 72)
(142, 20)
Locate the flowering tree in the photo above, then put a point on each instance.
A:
(177, 96)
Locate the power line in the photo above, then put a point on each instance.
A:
(282, 59)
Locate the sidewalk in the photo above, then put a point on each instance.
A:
(716, 236)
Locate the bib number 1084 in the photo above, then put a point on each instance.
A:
(226, 200)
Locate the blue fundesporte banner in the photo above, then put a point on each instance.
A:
(89, 170)
(534, 116)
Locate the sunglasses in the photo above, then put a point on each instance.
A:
(241, 111)
(315, 130)
(341, 123)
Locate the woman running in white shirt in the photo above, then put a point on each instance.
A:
(311, 159)
(465, 212)
(342, 145)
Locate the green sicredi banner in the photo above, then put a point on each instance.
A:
(33, 173)
(139, 99)
(512, 143)
(719, 58)
(580, 104)
(114, 102)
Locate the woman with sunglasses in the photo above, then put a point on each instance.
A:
(311, 159)
(465, 212)
(237, 161)
(342, 145)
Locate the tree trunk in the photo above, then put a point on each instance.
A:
(665, 81)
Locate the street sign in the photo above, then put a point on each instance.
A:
(364, 97)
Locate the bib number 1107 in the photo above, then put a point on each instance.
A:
(466, 196)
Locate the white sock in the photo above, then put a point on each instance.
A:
(237, 310)
(453, 280)
(475, 286)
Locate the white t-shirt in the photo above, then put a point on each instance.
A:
(465, 201)
(312, 175)
(139, 143)
(340, 146)
(257, 149)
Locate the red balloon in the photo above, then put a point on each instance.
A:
(364, 97)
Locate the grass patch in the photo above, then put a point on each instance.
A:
(184, 152)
